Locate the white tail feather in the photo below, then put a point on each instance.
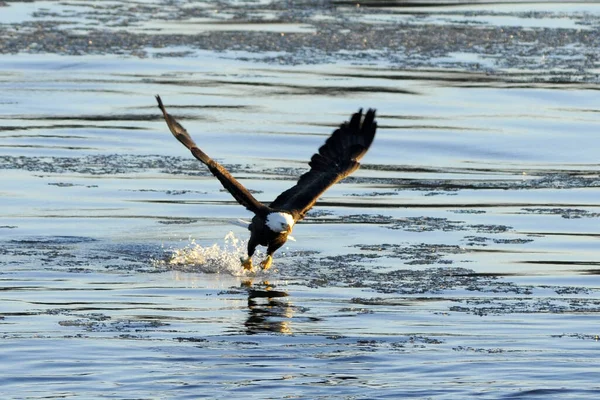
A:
(240, 222)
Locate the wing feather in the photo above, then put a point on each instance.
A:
(237, 190)
(335, 160)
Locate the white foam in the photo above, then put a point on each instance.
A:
(215, 259)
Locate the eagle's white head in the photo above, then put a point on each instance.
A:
(280, 222)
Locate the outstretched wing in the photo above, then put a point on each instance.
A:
(336, 159)
(239, 192)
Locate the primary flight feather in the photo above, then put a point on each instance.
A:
(271, 225)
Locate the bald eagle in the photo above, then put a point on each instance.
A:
(271, 224)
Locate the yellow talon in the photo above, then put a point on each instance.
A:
(247, 264)
(266, 264)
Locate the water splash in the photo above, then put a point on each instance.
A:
(215, 259)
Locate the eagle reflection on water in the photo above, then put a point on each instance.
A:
(266, 311)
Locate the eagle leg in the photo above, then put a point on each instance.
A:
(266, 263)
(247, 264)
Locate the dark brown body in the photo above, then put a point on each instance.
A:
(260, 234)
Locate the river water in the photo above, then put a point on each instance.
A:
(460, 261)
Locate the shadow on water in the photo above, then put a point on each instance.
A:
(62, 126)
(102, 118)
